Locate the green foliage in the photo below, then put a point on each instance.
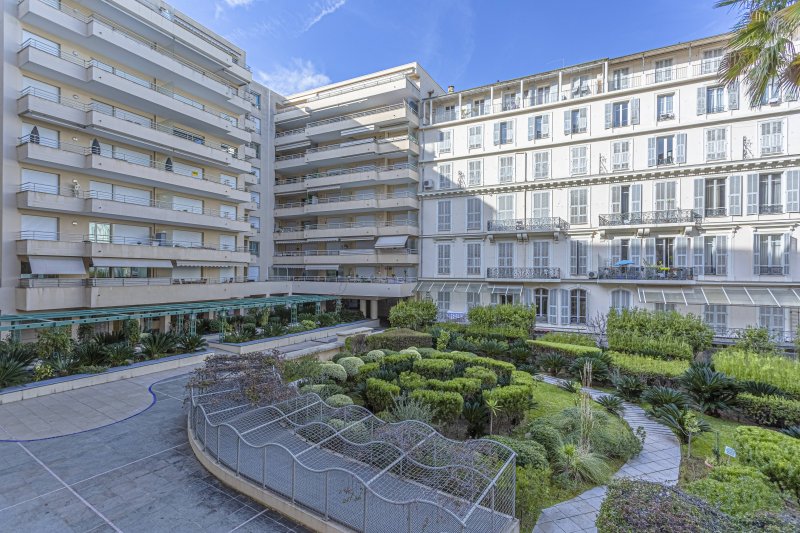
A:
(493, 348)
(773, 454)
(500, 332)
(324, 390)
(373, 356)
(666, 326)
(192, 343)
(659, 396)
(381, 394)
(756, 340)
(607, 436)
(443, 340)
(776, 370)
(434, 368)
(466, 387)
(12, 372)
(411, 381)
(600, 371)
(524, 379)
(413, 314)
(650, 370)
(552, 362)
(119, 354)
(132, 330)
(16, 351)
(757, 388)
(399, 362)
(369, 370)
(770, 410)
(446, 406)
(398, 339)
(569, 351)
(710, 390)
(90, 369)
(487, 377)
(629, 387)
(477, 416)
(90, 353)
(306, 367)
(581, 466)
(529, 453)
(543, 432)
(611, 403)
(559, 337)
(158, 345)
(333, 371)
(351, 365)
(408, 408)
(514, 400)
(515, 316)
(339, 400)
(56, 340)
(793, 431)
(356, 344)
(680, 421)
(533, 489)
(501, 368)
(658, 347)
(63, 364)
(42, 371)
(737, 490)
(569, 386)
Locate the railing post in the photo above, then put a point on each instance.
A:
(294, 465)
(238, 453)
(264, 469)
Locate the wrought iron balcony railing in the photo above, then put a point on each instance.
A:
(529, 224)
(714, 212)
(769, 270)
(772, 209)
(669, 216)
(647, 273)
(523, 273)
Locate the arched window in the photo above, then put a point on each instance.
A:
(577, 306)
(95, 147)
(168, 164)
(541, 299)
(620, 299)
(34, 135)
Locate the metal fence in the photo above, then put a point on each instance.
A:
(348, 466)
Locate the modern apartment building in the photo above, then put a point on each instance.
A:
(346, 184)
(132, 156)
(634, 181)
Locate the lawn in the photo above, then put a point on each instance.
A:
(703, 447)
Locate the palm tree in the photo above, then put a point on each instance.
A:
(761, 49)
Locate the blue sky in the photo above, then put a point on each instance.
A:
(294, 45)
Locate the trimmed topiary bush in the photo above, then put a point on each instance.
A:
(487, 377)
(659, 348)
(434, 368)
(447, 406)
(411, 381)
(373, 356)
(570, 351)
(501, 368)
(323, 390)
(769, 410)
(399, 362)
(339, 400)
(513, 399)
(413, 314)
(398, 339)
(466, 387)
(351, 365)
(333, 371)
(524, 379)
(368, 370)
(380, 394)
(669, 328)
(651, 371)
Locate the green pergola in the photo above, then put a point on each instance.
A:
(17, 323)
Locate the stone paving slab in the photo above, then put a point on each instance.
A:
(659, 461)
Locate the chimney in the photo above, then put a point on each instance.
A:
(450, 89)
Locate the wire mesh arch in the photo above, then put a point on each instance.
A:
(348, 465)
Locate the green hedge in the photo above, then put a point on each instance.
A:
(560, 337)
(776, 370)
(381, 394)
(518, 377)
(434, 368)
(666, 325)
(513, 399)
(339, 400)
(487, 377)
(498, 333)
(351, 365)
(770, 410)
(411, 381)
(567, 350)
(368, 370)
(399, 339)
(652, 371)
(398, 362)
(773, 454)
(658, 347)
(529, 453)
(737, 490)
(447, 406)
(505, 315)
(501, 368)
(466, 387)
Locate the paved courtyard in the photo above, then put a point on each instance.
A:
(137, 473)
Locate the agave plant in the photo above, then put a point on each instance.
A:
(62, 363)
(109, 337)
(612, 403)
(629, 387)
(477, 416)
(552, 363)
(658, 396)
(682, 422)
(158, 345)
(16, 351)
(192, 343)
(710, 390)
(12, 372)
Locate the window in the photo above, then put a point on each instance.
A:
(772, 93)
(712, 259)
(473, 259)
(664, 308)
(255, 249)
(711, 60)
(445, 176)
(510, 101)
(663, 70)
(505, 173)
(99, 232)
(475, 136)
(475, 173)
(443, 212)
(619, 79)
(541, 205)
(579, 206)
(769, 194)
(445, 144)
(541, 300)
(575, 121)
(580, 86)
(716, 144)
(255, 223)
(771, 137)
(479, 107)
(541, 165)
(716, 316)
(541, 254)
(715, 99)
(473, 300)
(664, 150)
(769, 256)
(664, 108)
(666, 196)
(714, 197)
(665, 247)
(256, 123)
(443, 259)
(504, 132)
(474, 208)
(443, 301)
(577, 306)
(255, 197)
(505, 259)
(620, 155)
(620, 299)
(505, 207)
(578, 160)
(579, 258)
(256, 149)
(620, 114)
(771, 318)
(626, 199)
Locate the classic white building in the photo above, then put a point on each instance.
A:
(633, 181)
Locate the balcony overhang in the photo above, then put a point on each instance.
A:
(748, 295)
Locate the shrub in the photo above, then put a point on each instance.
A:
(756, 340)
(582, 466)
(90, 369)
(12, 372)
(737, 490)
(356, 344)
(660, 325)
(773, 454)
(158, 345)
(524, 379)
(351, 365)
(543, 432)
(398, 362)
(446, 406)
(756, 388)
(599, 368)
(90, 353)
(369, 370)
(793, 431)
(487, 377)
(466, 387)
(776, 370)
(192, 343)
(505, 315)
(682, 422)
(770, 410)
(333, 371)
(514, 400)
(650, 370)
(659, 347)
(560, 337)
(477, 416)
(398, 339)
(658, 396)
(611, 403)
(16, 351)
(132, 330)
(629, 387)
(710, 390)
(434, 368)
(529, 453)
(322, 389)
(533, 490)
(569, 351)
(118, 354)
(407, 408)
(493, 348)
(338, 400)
(413, 314)
(381, 394)
(54, 340)
(373, 356)
(501, 368)
(411, 381)
(552, 363)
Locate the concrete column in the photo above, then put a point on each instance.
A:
(362, 305)
(373, 309)
(166, 324)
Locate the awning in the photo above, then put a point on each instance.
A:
(56, 265)
(465, 287)
(458, 286)
(324, 239)
(149, 263)
(505, 289)
(391, 241)
(718, 295)
(322, 267)
(208, 264)
(290, 241)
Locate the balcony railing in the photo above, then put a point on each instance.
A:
(345, 172)
(779, 336)
(391, 280)
(769, 270)
(32, 235)
(666, 75)
(715, 212)
(34, 283)
(348, 198)
(710, 270)
(647, 273)
(670, 216)
(707, 67)
(529, 224)
(365, 251)
(348, 89)
(770, 209)
(523, 273)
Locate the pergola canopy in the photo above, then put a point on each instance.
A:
(719, 295)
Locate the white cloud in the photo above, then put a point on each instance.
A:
(323, 9)
(237, 3)
(299, 75)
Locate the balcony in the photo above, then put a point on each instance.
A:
(332, 128)
(119, 125)
(528, 225)
(770, 270)
(524, 273)
(351, 286)
(770, 209)
(715, 212)
(646, 273)
(72, 157)
(670, 216)
(350, 177)
(355, 203)
(290, 138)
(363, 149)
(366, 256)
(106, 81)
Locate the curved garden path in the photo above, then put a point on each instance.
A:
(659, 462)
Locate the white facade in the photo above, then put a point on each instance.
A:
(636, 181)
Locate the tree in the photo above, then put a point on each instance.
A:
(761, 49)
(493, 405)
(413, 314)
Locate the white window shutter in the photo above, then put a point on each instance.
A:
(680, 152)
(531, 128)
(634, 111)
(616, 198)
(497, 133)
(546, 125)
(510, 130)
(701, 100)
(552, 307)
(636, 198)
(650, 251)
(699, 196)
(616, 250)
(756, 255)
(583, 121)
(554, 93)
(609, 112)
(564, 297)
(734, 195)
(787, 248)
(651, 152)
(698, 244)
(733, 95)
(793, 191)
(567, 123)
(573, 258)
(681, 251)
(721, 249)
(636, 251)
(752, 194)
